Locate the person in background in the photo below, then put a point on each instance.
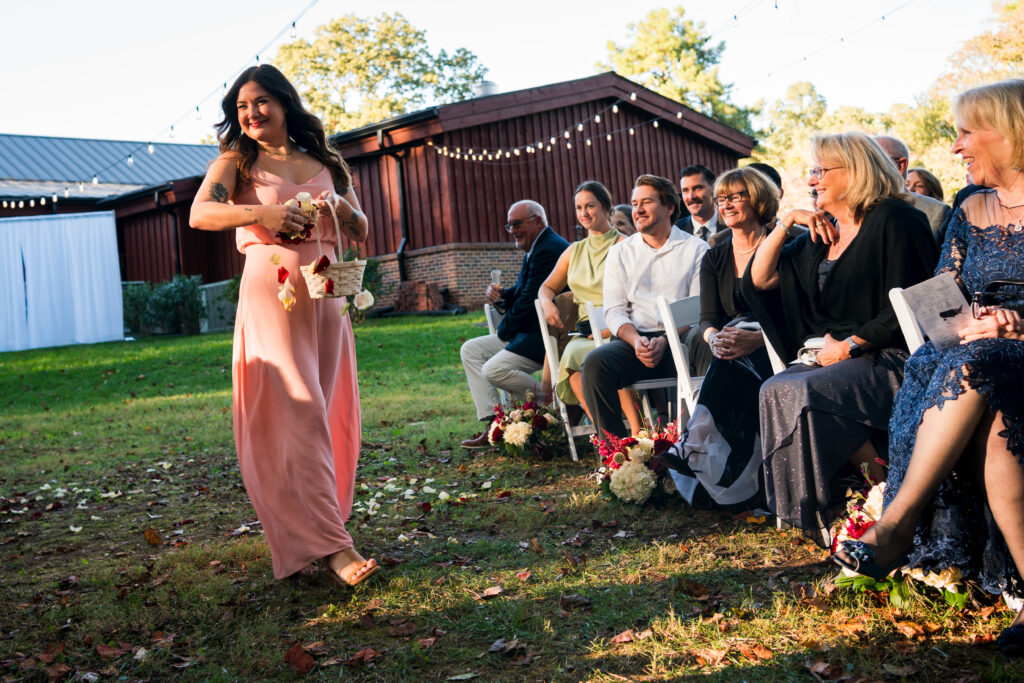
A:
(923, 181)
(581, 268)
(622, 220)
(295, 398)
(834, 283)
(507, 360)
(934, 209)
(696, 182)
(955, 492)
(659, 259)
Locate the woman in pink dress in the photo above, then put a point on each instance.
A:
(296, 400)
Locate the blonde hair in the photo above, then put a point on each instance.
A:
(873, 176)
(999, 106)
(764, 195)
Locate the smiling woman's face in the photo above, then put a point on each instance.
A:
(260, 114)
(988, 154)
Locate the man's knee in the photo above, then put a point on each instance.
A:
(471, 349)
(595, 366)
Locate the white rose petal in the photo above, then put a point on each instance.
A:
(75, 529)
(429, 489)
(402, 538)
(486, 485)
(443, 495)
(363, 300)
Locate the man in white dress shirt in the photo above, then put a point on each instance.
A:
(660, 259)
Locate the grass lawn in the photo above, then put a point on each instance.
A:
(130, 551)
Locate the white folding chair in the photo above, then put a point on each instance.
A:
(551, 352)
(681, 313)
(778, 365)
(493, 317)
(597, 327)
(908, 321)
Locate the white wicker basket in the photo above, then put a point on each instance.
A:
(346, 276)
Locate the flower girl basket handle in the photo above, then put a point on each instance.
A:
(347, 276)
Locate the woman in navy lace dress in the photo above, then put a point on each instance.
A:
(955, 492)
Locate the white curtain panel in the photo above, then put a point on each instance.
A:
(66, 270)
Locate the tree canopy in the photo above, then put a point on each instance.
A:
(674, 57)
(360, 70)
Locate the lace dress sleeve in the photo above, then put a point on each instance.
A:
(954, 248)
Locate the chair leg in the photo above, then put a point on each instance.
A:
(645, 401)
(564, 413)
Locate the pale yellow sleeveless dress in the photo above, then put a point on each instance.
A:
(586, 281)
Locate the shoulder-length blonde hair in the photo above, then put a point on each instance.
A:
(873, 175)
(999, 106)
(763, 193)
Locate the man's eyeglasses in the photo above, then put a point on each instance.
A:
(820, 171)
(735, 198)
(512, 225)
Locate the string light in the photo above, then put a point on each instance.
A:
(130, 160)
(31, 203)
(150, 148)
(597, 118)
(632, 97)
(42, 201)
(95, 180)
(294, 33)
(615, 109)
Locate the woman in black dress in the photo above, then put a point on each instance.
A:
(718, 460)
(834, 283)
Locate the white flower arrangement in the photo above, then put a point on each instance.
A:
(518, 433)
(633, 482)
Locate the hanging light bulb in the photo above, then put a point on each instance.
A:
(566, 134)
(54, 198)
(172, 131)
(608, 137)
(42, 201)
(458, 155)
(508, 155)
(430, 143)
(516, 151)
(470, 151)
(632, 132)
(95, 180)
(150, 148)
(31, 203)
(551, 141)
(568, 145)
(548, 148)
(579, 127)
(21, 204)
(679, 114)
(588, 142)
(632, 97)
(294, 33)
(5, 203)
(66, 192)
(615, 109)
(130, 160)
(81, 187)
(655, 124)
(198, 115)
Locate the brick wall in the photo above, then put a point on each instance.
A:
(462, 268)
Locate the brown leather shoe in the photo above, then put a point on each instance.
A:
(478, 441)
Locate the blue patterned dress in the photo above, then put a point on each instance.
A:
(984, 243)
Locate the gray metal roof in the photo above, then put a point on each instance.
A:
(74, 160)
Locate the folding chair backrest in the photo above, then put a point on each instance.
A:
(597, 323)
(493, 318)
(908, 321)
(550, 346)
(678, 314)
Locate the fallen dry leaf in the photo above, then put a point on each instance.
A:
(426, 643)
(462, 677)
(405, 628)
(710, 657)
(366, 620)
(364, 656)
(488, 594)
(573, 601)
(624, 637)
(910, 629)
(905, 670)
(109, 651)
(523, 576)
(152, 536)
(317, 648)
(298, 659)
(695, 590)
(536, 546)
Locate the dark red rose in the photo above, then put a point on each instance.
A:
(540, 423)
(282, 275)
(661, 445)
(329, 287)
(497, 435)
(321, 265)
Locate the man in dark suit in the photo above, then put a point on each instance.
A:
(696, 183)
(508, 359)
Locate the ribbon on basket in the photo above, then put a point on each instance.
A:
(341, 278)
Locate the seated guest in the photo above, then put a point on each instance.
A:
(923, 181)
(955, 493)
(506, 360)
(934, 209)
(834, 283)
(659, 259)
(581, 267)
(695, 182)
(718, 460)
(622, 220)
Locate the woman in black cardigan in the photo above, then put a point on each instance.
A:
(834, 283)
(718, 462)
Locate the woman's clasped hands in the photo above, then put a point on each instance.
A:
(731, 343)
(993, 323)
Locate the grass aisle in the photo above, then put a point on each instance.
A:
(130, 551)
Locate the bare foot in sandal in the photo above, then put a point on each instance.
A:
(350, 568)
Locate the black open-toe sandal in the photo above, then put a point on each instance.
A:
(1011, 641)
(863, 557)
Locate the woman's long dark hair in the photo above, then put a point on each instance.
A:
(304, 128)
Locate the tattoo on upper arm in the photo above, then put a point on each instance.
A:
(218, 193)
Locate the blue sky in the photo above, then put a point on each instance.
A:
(123, 69)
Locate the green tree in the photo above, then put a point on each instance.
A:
(674, 57)
(361, 70)
(992, 55)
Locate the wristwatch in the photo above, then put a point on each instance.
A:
(855, 349)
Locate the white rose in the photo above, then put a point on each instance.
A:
(518, 433)
(873, 504)
(551, 419)
(646, 444)
(363, 300)
(643, 434)
(516, 415)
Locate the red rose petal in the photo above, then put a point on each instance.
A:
(329, 287)
(282, 275)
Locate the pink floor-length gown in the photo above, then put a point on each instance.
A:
(296, 398)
